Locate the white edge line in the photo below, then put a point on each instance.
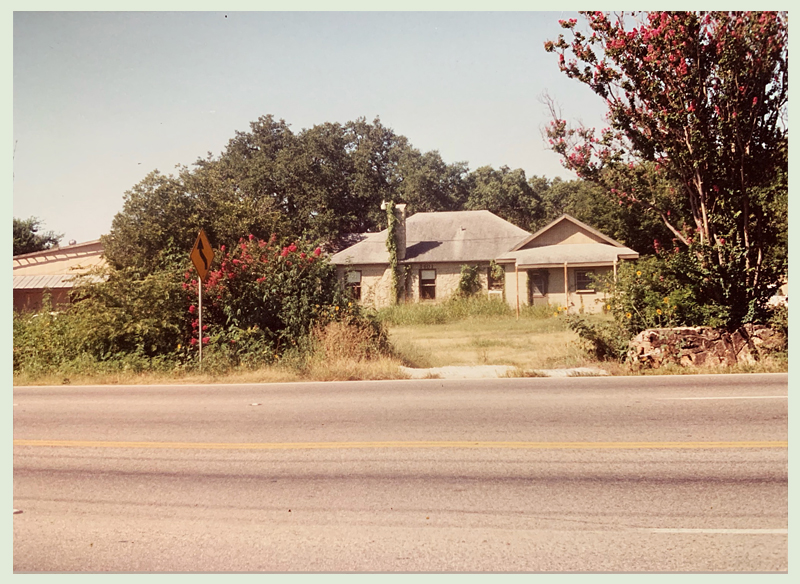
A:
(726, 397)
(723, 531)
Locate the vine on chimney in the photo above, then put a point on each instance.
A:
(391, 245)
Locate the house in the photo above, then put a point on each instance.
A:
(54, 270)
(433, 247)
(557, 265)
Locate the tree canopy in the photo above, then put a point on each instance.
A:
(697, 135)
(318, 184)
(29, 238)
(328, 181)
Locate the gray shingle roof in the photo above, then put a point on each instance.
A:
(452, 236)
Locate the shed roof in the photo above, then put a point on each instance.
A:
(50, 281)
(60, 260)
(450, 236)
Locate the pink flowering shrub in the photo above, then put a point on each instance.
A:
(262, 298)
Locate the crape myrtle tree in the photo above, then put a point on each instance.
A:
(697, 136)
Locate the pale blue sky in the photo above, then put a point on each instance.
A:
(101, 99)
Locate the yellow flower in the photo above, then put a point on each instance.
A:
(349, 304)
(608, 307)
(629, 315)
(337, 308)
(179, 346)
(658, 311)
(638, 272)
(666, 301)
(555, 314)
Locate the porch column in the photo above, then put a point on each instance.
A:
(566, 288)
(615, 270)
(516, 274)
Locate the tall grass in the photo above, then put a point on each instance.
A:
(454, 310)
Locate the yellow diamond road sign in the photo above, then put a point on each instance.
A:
(202, 255)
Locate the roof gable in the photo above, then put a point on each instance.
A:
(566, 230)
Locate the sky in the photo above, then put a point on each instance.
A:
(100, 99)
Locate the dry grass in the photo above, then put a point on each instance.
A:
(263, 375)
(349, 352)
(518, 372)
(527, 344)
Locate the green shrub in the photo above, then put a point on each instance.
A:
(261, 303)
(264, 298)
(605, 341)
(469, 283)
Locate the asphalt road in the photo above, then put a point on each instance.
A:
(581, 474)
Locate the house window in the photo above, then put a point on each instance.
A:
(537, 282)
(427, 284)
(495, 277)
(354, 284)
(584, 281)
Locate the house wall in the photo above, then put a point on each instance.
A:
(448, 276)
(589, 302)
(31, 299)
(376, 281)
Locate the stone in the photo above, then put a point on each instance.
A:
(703, 346)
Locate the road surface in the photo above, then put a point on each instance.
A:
(681, 473)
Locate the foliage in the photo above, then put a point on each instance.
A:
(605, 341)
(318, 185)
(263, 298)
(778, 319)
(261, 303)
(469, 283)
(697, 105)
(669, 290)
(496, 271)
(83, 340)
(29, 239)
(507, 194)
(391, 247)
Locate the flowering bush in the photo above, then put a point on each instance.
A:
(698, 136)
(262, 298)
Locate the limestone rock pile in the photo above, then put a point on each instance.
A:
(703, 346)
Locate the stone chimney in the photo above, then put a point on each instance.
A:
(400, 228)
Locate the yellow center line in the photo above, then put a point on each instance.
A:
(400, 444)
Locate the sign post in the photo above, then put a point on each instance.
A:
(202, 255)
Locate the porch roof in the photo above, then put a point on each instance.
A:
(577, 254)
